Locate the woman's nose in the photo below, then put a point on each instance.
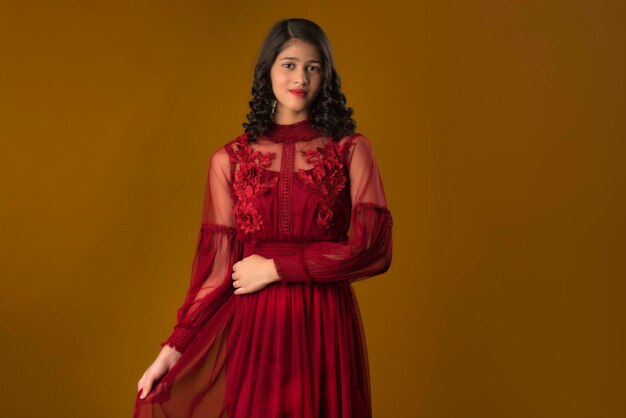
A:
(302, 78)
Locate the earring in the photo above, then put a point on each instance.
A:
(273, 106)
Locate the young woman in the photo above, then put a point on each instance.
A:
(294, 212)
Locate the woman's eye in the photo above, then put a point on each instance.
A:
(314, 67)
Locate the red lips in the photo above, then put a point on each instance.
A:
(298, 92)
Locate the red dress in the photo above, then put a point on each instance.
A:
(295, 348)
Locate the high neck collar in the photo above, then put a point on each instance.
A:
(293, 132)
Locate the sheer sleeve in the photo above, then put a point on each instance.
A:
(217, 249)
(368, 250)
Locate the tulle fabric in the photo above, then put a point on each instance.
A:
(295, 348)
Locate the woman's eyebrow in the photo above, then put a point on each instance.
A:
(296, 59)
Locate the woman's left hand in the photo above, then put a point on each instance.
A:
(253, 273)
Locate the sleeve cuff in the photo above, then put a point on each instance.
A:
(180, 339)
(291, 269)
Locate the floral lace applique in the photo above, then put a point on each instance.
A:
(248, 183)
(327, 177)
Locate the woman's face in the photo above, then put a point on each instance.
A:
(297, 67)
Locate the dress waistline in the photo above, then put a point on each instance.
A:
(270, 249)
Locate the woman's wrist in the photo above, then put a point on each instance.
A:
(169, 353)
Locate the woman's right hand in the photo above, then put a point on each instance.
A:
(163, 363)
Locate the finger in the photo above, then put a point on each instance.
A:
(146, 390)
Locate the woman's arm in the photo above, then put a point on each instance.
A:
(217, 249)
(368, 250)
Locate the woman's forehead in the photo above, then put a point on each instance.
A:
(299, 51)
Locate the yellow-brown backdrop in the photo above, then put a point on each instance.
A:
(497, 128)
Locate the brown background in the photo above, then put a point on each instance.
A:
(497, 128)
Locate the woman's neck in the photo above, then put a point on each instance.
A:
(301, 130)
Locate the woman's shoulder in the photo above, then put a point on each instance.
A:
(233, 148)
(352, 139)
(224, 154)
(354, 142)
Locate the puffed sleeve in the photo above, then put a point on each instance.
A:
(368, 250)
(217, 249)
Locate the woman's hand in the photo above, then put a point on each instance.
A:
(253, 273)
(157, 369)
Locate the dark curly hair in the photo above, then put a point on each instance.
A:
(328, 112)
